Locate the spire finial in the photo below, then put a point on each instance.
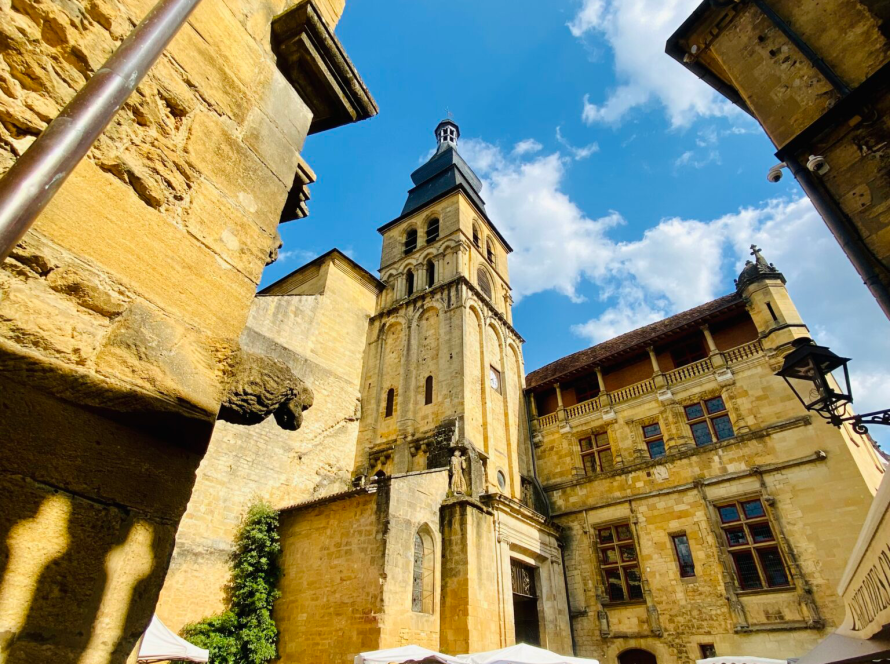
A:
(755, 251)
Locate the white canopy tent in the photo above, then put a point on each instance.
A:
(523, 653)
(403, 655)
(159, 644)
(740, 659)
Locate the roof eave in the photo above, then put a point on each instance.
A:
(674, 49)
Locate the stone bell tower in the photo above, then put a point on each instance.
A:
(443, 365)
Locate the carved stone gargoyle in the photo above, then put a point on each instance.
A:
(263, 386)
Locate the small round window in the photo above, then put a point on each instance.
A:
(502, 480)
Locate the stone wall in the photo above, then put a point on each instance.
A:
(248, 463)
(778, 454)
(333, 584)
(121, 308)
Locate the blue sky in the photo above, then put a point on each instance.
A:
(629, 189)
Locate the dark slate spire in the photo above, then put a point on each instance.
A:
(445, 170)
(756, 271)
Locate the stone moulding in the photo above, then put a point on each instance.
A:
(314, 62)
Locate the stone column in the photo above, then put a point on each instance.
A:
(657, 375)
(715, 355)
(564, 426)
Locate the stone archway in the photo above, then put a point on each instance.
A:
(637, 656)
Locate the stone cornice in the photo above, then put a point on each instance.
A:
(764, 469)
(316, 65)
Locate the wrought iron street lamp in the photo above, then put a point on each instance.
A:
(807, 370)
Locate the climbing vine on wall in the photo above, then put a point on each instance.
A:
(246, 633)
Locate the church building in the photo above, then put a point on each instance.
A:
(659, 497)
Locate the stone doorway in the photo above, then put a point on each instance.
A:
(525, 604)
(636, 656)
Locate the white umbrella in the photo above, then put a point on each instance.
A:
(740, 659)
(404, 654)
(523, 653)
(159, 644)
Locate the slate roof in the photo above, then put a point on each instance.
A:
(634, 340)
(445, 170)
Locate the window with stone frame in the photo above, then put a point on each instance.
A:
(596, 453)
(684, 555)
(619, 562)
(489, 251)
(409, 282)
(423, 586)
(709, 421)
(432, 230)
(428, 391)
(430, 274)
(410, 241)
(707, 650)
(654, 440)
(390, 402)
(757, 560)
(484, 283)
(476, 239)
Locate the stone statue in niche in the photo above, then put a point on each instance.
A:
(458, 482)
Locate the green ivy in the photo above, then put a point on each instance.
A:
(246, 633)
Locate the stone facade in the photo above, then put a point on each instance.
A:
(663, 483)
(121, 310)
(424, 549)
(815, 75)
(295, 321)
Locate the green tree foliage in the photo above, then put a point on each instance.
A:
(246, 633)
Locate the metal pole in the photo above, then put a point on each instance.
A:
(35, 178)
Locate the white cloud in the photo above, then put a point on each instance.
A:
(690, 158)
(677, 263)
(528, 146)
(300, 255)
(576, 152)
(636, 32)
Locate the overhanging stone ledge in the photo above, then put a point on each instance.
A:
(314, 62)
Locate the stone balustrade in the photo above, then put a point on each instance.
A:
(704, 367)
(743, 352)
(589, 406)
(689, 371)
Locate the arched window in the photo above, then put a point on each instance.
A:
(424, 573)
(428, 391)
(430, 274)
(432, 230)
(390, 402)
(476, 235)
(489, 251)
(409, 281)
(484, 283)
(410, 241)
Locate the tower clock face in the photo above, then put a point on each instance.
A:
(494, 377)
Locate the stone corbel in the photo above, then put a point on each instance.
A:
(295, 205)
(261, 386)
(314, 62)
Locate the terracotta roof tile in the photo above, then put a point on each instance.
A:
(640, 337)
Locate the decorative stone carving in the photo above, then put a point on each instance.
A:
(458, 482)
(263, 386)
